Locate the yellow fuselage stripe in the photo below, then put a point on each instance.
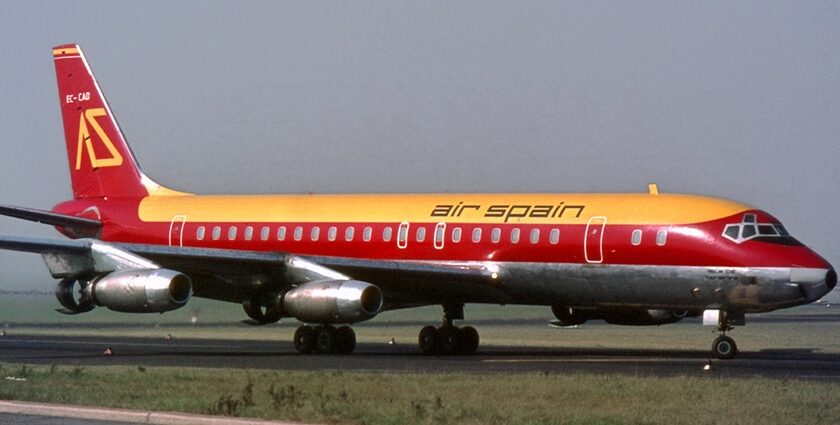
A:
(452, 208)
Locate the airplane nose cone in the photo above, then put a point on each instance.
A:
(814, 282)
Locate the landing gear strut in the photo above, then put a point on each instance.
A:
(448, 339)
(724, 347)
(325, 339)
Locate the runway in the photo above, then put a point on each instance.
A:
(405, 358)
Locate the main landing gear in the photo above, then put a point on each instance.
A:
(448, 339)
(325, 339)
(724, 347)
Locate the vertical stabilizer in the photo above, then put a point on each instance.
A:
(101, 163)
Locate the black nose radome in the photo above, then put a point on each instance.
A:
(831, 279)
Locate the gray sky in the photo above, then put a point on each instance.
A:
(735, 99)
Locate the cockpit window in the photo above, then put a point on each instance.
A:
(750, 229)
(731, 231)
(767, 230)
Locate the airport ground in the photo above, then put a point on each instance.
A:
(524, 372)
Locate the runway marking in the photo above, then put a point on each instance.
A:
(123, 344)
(599, 360)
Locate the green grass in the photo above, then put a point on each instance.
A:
(358, 398)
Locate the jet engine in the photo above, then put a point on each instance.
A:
(567, 316)
(633, 317)
(128, 291)
(333, 301)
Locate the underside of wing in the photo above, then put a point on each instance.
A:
(77, 227)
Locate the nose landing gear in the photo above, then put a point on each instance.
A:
(724, 347)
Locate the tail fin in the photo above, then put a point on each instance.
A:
(101, 163)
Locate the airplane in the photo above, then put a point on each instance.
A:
(330, 261)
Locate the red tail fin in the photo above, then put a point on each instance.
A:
(101, 163)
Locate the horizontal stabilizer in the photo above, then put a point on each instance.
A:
(76, 226)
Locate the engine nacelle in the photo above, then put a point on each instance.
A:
(642, 317)
(567, 316)
(333, 301)
(142, 291)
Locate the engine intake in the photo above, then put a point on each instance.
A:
(142, 291)
(333, 301)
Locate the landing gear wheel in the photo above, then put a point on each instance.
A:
(326, 339)
(469, 340)
(450, 340)
(305, 339)
(346, 340)
(724, 347)
(429, 340)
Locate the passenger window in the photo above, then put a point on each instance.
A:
(402, 235)
(554, 236)
(264, 233)
(298, 233)
(661, 237)
(476, 236)
(421, 234)
(386, 234)
(748, 231)
(315, 234)
(348, 234)
(495, 235)
(440, 231)
(199, 234)
(217, 233)
(456, 235)
(636, 238)
(249, 233)
(232, 233)
(332, 233)
(367, 234)
(514, 235)
(281, 233)
(535, 236)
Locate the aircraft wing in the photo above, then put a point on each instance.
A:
(75, 226)
(235, 276)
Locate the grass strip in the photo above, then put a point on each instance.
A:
(368, 398)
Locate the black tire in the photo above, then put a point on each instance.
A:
(346, 339)
(326, 339)
(724, 347)
(429, 340)
(450, 340)
(305, 339)
(469, 340)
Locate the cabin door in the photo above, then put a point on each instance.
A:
(176, 230)
(593, 244)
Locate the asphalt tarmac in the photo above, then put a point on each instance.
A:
(405, 358)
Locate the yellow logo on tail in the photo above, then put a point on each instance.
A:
(89, 116)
